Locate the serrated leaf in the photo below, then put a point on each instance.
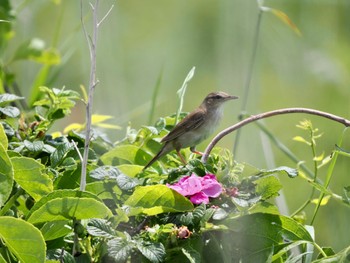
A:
(119, 249)
(105, 172)
(60, 255)
(28, 174)
(126, 183)
(6, 175)
(22, 239)
(157, 199)
(61, 150)
(10, 111)
(35, 147)
(154, 252)
(100, 228)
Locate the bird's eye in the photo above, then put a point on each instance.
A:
(217, 97)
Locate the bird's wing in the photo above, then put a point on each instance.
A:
(197, 119)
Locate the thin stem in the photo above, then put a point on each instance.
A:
(249, 76)
(253, 118)
(92, 84)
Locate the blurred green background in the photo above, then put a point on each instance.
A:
(141, 41)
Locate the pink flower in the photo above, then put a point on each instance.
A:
(197, 188)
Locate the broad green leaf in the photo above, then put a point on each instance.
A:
(27, 173)
(268, 187)
(59, 194)
(257, 235)
(3, 137)
(55, 229)
(64, 208)
(6, 175)
(104, 189)
(127, 153)
(130, 170)
(154, 252)
(157, 199)
(22, 239)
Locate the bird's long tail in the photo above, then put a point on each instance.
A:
(163, 151)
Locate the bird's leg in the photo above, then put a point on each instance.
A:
(181, 157)
(193, 149)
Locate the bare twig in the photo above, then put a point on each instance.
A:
(253, 118)
(77, 149)
(92, 42)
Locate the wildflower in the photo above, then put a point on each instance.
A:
(183, 232)
(197, 188)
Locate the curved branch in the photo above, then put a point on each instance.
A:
(253, 118)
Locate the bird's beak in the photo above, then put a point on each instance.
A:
(231, 97)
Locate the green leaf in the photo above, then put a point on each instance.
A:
(3, 137)
(100, 228)
(127, 153)
(22, 239)
(104, 189)
(27, 173)
(267, 187)
(6, 175)
(58, 155)
(67, 204)
(55, 229)
(257, 235)
(10, 111)
(154, 252)
(35, 147)
(60, 255)
(157, 199)
(282, 170)
(8, 98)
(119, 249)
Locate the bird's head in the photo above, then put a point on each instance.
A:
(216, 99)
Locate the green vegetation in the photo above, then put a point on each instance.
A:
(215, 209)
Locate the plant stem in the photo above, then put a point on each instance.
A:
(92, 84)
(249, 76)
(253, 118)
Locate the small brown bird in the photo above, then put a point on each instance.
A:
(195, 127)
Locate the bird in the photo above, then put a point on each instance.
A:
(197, 126)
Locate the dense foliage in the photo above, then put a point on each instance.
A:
(127, 213)
(218, 211)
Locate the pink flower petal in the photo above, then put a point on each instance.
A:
(199, 198)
